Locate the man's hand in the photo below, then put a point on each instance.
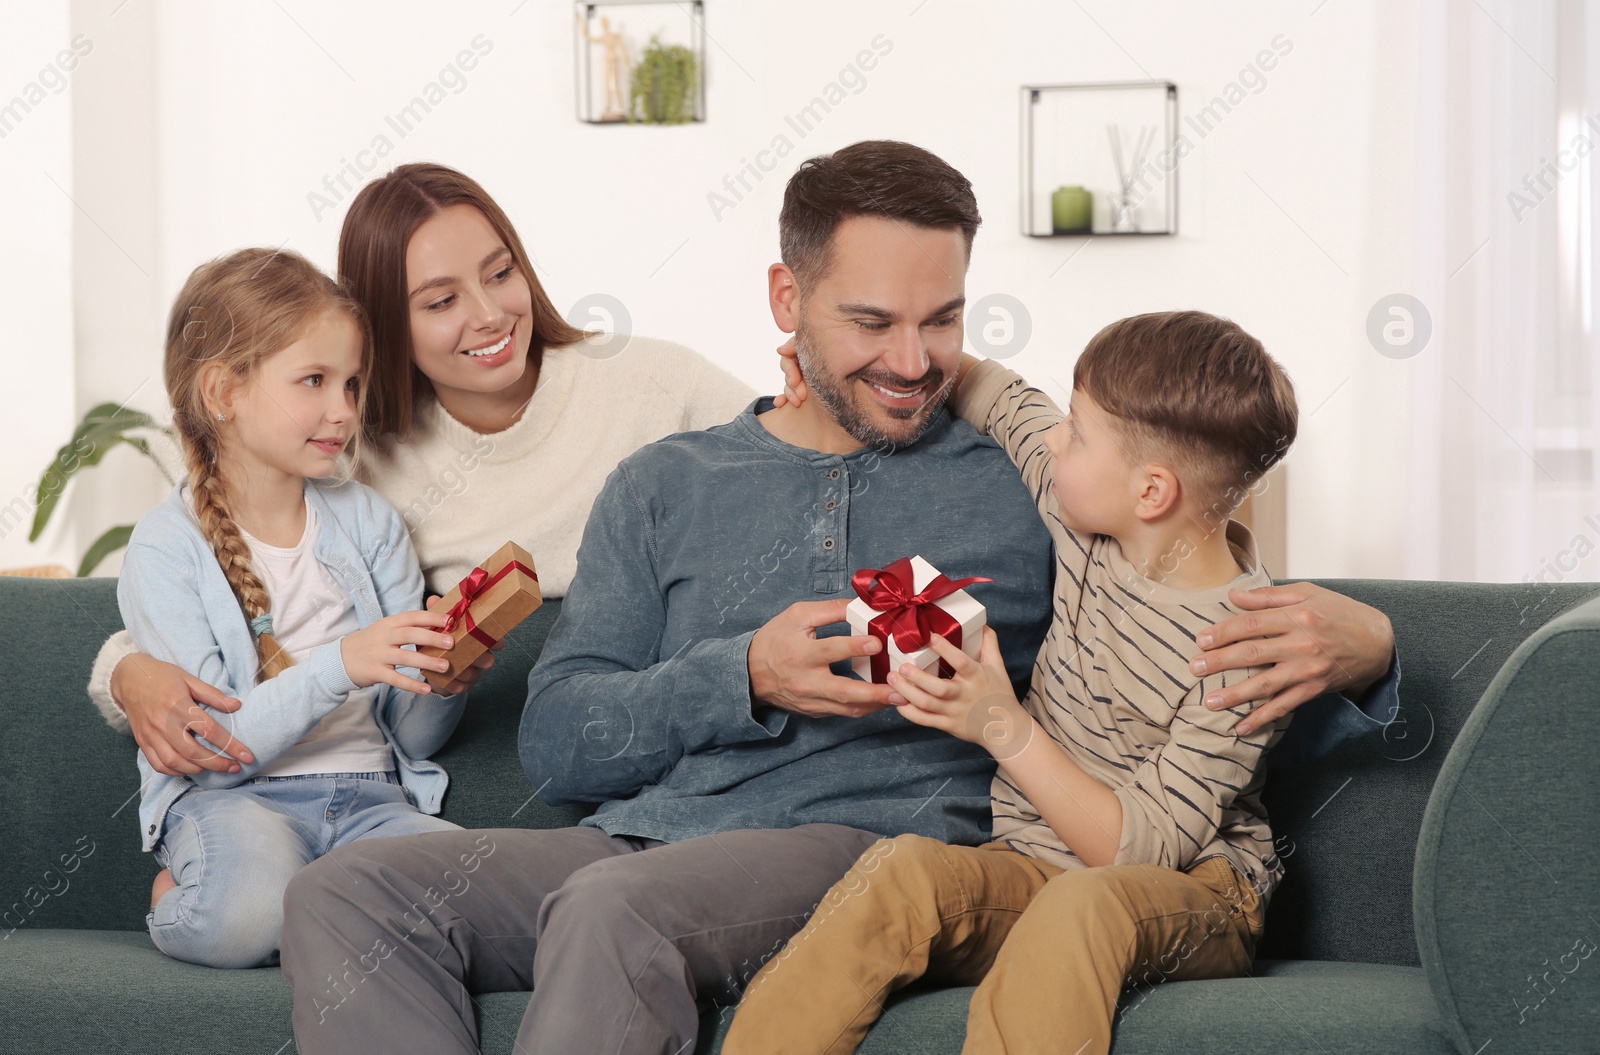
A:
(1313, 640)
(789, 664)
(162, 702)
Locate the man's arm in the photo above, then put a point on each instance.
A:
(1324, 722)
(608, 714)
(1315, 641)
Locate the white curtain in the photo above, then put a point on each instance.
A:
(1501, 458)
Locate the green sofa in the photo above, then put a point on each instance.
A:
(1443, 878)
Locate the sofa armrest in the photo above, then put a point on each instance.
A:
(1507, 881)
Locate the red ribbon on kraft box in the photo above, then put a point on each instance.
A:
(487, 603)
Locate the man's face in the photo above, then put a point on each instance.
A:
(879, 335)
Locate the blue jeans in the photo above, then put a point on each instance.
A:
(232, 851)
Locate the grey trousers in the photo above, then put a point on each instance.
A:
(622, 941)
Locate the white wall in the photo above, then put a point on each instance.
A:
(1296, 209)
(35, 271)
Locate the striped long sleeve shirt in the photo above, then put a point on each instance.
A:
(1112, 685)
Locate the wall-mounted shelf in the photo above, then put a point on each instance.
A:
(616, 43)
(1100, 160)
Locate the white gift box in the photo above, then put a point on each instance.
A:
(968, 613)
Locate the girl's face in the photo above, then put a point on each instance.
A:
(469, 305)
(298, 411)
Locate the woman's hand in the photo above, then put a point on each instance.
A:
(794, 385)
(372, 653)
(469, 677)
(162, 703)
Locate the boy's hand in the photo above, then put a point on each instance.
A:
(794, 384)
(977, 704)
(372, 653)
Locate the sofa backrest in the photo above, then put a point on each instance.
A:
(1347, 825)
(69, 786)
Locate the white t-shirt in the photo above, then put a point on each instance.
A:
(310, 608)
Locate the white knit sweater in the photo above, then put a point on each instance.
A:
(463, 493)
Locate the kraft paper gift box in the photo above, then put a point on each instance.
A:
(905, 602)
(484, 607)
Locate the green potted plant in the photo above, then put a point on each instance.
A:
(101, 429)
(663, 85)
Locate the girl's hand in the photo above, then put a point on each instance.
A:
(372, 653)
(976, 705)
(794, 385)
(162, 702)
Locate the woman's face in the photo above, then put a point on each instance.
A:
(469, 304)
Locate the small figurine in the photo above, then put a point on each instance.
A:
(616, 52)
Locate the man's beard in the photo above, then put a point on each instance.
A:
(834, 395)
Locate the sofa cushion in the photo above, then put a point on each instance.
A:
(72, 991)
(1327, 1008)
(77, 990)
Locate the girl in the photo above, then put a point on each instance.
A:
(297, 593)
(493, 419)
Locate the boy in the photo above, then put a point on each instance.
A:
(1130, 844)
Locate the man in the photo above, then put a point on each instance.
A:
(687, 690)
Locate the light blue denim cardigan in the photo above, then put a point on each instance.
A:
(179, 608)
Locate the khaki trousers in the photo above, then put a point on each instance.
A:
(1049, 950)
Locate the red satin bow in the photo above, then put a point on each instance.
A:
(475, 582)
(471, 588)
(910, 618)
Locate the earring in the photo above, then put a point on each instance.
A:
(221, 416)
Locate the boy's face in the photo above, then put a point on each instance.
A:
(1097, 479)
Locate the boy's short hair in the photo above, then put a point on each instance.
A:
(1196, 391)
(881, 177)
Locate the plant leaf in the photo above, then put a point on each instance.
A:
(107, 544)
(101, 429)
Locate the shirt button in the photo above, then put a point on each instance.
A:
(831, 505)
(833, 474)
(827, 543)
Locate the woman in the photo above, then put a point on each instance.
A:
(491, 419)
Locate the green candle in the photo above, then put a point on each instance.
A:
(1070, 208)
